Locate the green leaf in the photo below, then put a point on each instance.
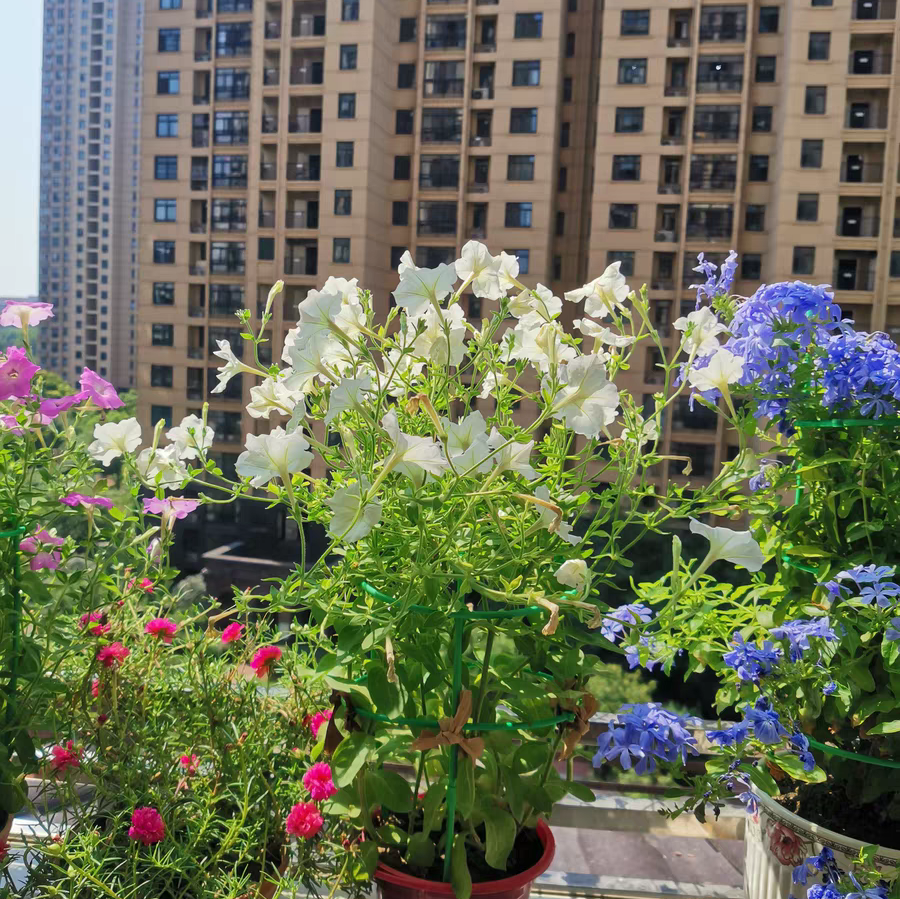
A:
(345, 803)
(580, 791)
(385, 695)
(420, 851)
(538, 798)
(792, 765)
(392, 836)
(500, 835)
(368, 851)
(460, 878)
(351, 754)
(389, 789)
(761, 778)
(465, 787)
(432, 816)
(861, 675)
(886, 727)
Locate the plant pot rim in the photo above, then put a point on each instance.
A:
(398, 878)
(822, 835)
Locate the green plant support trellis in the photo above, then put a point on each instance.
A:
(459, 622)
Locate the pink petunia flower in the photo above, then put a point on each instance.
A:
(95, 622)
(170, 508)
(114, 654)
(161, 627)
(304, 820)
(189, 763)
(318, 720)
(16, 372)
(154, 550)
(17, 314)
(99, 391)
(65, 757)
(263, 660)
(319, 783)
(147, 826)
(34, 421)
(87, 502)
(41, 558)
(53, 407)
(232, 632)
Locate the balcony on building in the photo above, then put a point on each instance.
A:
(266, 215)
(200, 173)
(709, 222)
(196, 344)
(479, 174)
(858, 217)
(668, 220)
(663, 277)
(204, 9)
(197, 300)
(272, 22)
(717, 124)
(441, 125)
(445, 32)
(670, 169)
(680, 22)
(228, 215)
(301, 257)
(436, 218)
(677, 83)
(229, 171)
(870, 54)
(308, 19)
(867, 108)
(200, 129)
(269, 121)
(438, 171)
(673, 129)
(720, 73)
(201, 88)
(485, 34)
(198, 216)
(304, 163)
(307, 67)
(234, 40)
(854, 270)
(302, 210)
(481, 128)
(272, 68)
(476, 217)
(486, 2)
(700, 418)
(268, 164)
(444, 78)
(723, 24)
(483, 78)
(713, 171)
(227, 257)
(867, 10)
(862, 163)
(231, 128)
(197, 259)
(202, 44)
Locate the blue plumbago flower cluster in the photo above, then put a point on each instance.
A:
(764, 477)
(718, 282)
(613, 627)
(760, 719)
(656, 651)
(872, 585)
(798, 632)
(893, 632)
(643, 733)
(751, 662)
(835, 884)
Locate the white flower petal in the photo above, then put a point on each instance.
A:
(737, 547)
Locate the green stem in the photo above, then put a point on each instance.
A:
(483, 681)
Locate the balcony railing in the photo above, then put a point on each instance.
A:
(725, 84)
(198, 227)
(272, 30)
(269, 124)
(669, 187)
(479, 187)
(861, 172)
(874, 9)
(271, 75)
(722, 184)
(480, 140)
(308, 25)
(664, 236)
(490, 47)
(445, 42)
(672, 140)
(241, 92)
(721, 137)
(196, 312)
(439, 183)
(197, 270)
(232, 137)
(676, 90)
(204, 12)
(870, 119)
(441, 136)
(863, 226)
(229, 224)
(299, 218)
(201, 99)
(200, 137)
(229, 181)
(711, 233)
(227, 267)
(268, 171)
(307, 74)
(299, 265)
(266, 218)
(678, 41)
(304, 123)
(203, 55)
(869, 63)
(438, 227)
(195, 352)
(199, 183)
(302, 171)
(444, 87)
(854, 280)
(662, 284)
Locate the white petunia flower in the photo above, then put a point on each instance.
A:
(513, 457)
(737, 547)
(701, 329)
(724, 368)
(190, 439)
(317, 355)
(433, 343)
(161, 467)
(233, 366)
(490, 383)
(419, 288)
(413, 456)
(539, 342)
(507, 272)
(549, 520)
(347, 395)
(349, 290)
(586, 400)
(575, 573)
(602, 336)
(348, 522)
(540, 300)
(476, 262)
(319, 311)
(603, 295)
(398, 365)
(644, 432)
(467, 443)
(114, 438)
(273, 395)
(275, 455)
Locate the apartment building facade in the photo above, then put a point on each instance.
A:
(90, 147)
(770, 128)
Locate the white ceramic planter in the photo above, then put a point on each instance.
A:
(776, 841)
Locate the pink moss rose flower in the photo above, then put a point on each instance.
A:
(65, 757)
(304, 820)
(34, 545)
(232, 632)
(144, 584)
(95, 688)
(263, 659)
(161, 627)
(189, 763)
(147, 826)
(112, 655)
(99, 391)
(17, 314)
(86, 502)
(319, 783)
(95, 622)
(318, 720)
(16, 372)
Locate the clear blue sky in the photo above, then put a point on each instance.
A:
(20, 113)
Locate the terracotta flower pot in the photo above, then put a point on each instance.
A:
(776, 841)
(270, 887)
(393, 884)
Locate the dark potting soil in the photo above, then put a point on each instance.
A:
(829, 805)
(525, 854)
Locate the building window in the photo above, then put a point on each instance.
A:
(167, 124)
(233, 39)
(807, 207)
(632, 71)
(349, 10)
(723, 23)
(562, 179)
(442, 171)
(404, 121)
(560, 223)
(164, 252)
(524, 257)
(265, 250)
(526, 73)
(765, 69)
(523, 120)
(343, 157)
(529, 24)
(758, 168)
(169, 40)
(170, 4)
(819, 45)
(165, 168)
(570, 44)
(400, 213)
(163, 293)
(396, 256)
(804, 260)
(343, 202)
(768, 19)
(406, 75)
(565, 131)
(811, 153)
(518, 215)
(762, 118)
(401, 168)
(751, 266)
(164, 211)
(340, 251)
(626, 257)
(161, 375)
(635, 21)
(232, 84)
(408, 29)
(167, 82)
(442, 126)
(567, 89)
(348, 56)
(815, 100)
(823, 2)
(755, 217)
(346, 106)
(717, 123)
(623, 215)
(626, 168)
(895, 264)
(162, 335)
(629, 119)
(161, 413)
(520, 168)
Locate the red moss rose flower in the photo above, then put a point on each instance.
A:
(232, 632)
(147, 826)
(65, 757)
(113, 654)
(319, 783)
(318, 720)
(263, 660)
(161, 627)
(304, 820)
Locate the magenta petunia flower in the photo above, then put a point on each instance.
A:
(80, 499)
(170, 508)
(304, 820)
(232, 632)
(161, 627)
(42, 558)
(51, 408)
(18, 314)
(112, 655)
(318, 720)
(319, 783)
(99, 391)
(147, 826)
(16, 372)
(189, 763)
(65, 757)
(263, 659)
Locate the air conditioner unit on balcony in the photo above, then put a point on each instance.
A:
(481, 93)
